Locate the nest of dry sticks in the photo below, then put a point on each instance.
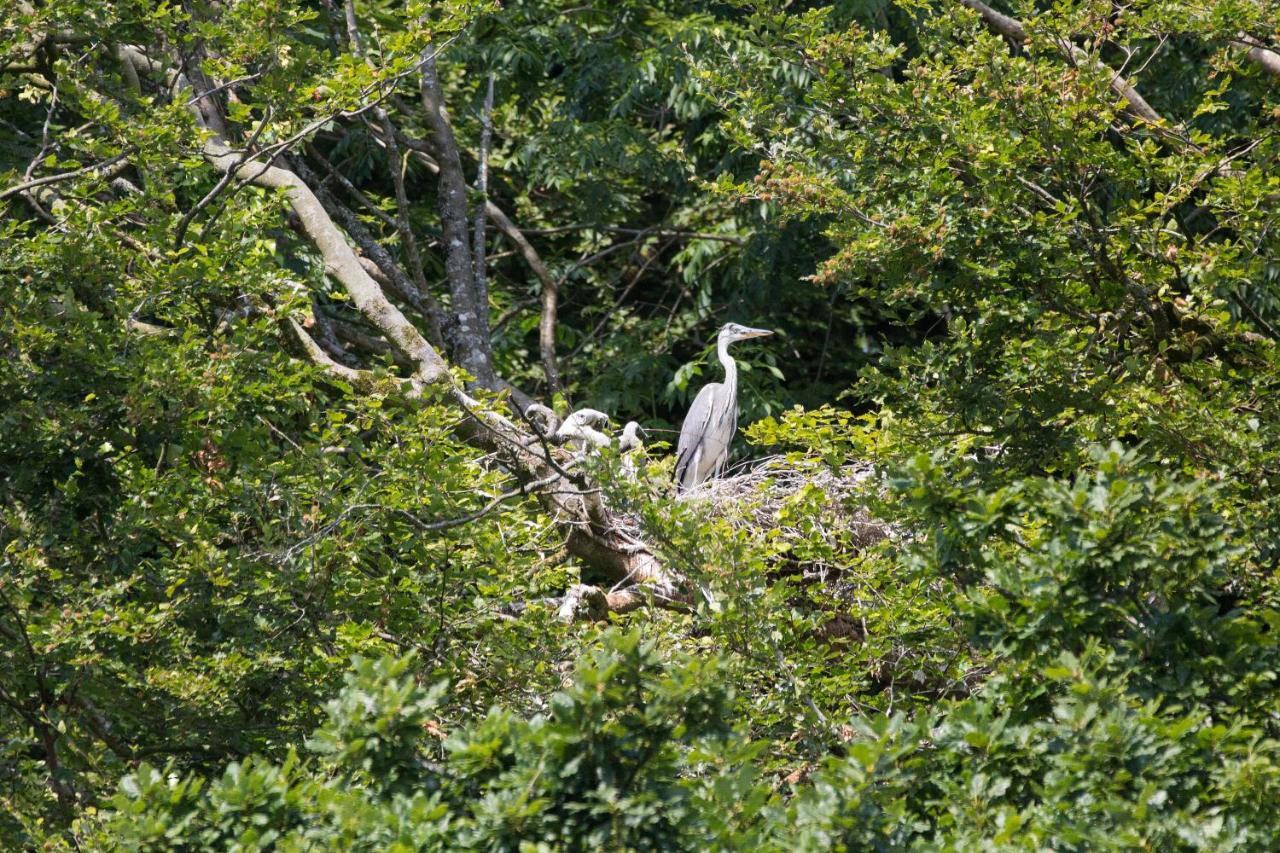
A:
(765, 494)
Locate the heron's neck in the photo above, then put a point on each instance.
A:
(730, 366)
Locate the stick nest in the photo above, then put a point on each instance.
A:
(782, 494)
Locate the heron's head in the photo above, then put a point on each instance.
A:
(731, 332)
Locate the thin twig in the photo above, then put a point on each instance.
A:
(64, 176)
(655, 230)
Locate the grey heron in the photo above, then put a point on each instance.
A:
(713, 418)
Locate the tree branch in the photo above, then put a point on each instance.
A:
(222, 184)
(482, 191)
(550, 286)
(339, 259)
(26, 186)
(347, 187)
(550, 291)
(470, 337)
(1267, 57)
(399, 282)
(356, 378)
(1012, 29)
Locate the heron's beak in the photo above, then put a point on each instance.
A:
(755, 333)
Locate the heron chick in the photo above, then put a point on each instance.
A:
(579, 430)
(713, 418)
(632, 449)
(631, 437)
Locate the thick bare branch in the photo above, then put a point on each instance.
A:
(222, 184)
(353, 335)
(340, 259)
(394, 275)
(482, 190)
(326, 336)
(594, 536)
(316, 353)
(1266, 57)
(470, 336)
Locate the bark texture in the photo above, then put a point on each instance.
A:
(469, 338)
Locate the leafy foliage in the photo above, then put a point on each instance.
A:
(295, 611)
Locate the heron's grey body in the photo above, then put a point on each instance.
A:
(713, 418)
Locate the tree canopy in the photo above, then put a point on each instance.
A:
(297, 298)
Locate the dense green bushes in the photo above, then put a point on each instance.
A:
(1130, 708)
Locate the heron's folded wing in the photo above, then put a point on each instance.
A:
(695, 427)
